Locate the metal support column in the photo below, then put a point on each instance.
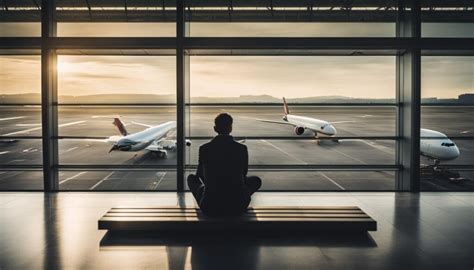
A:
(49, 111)
(408, 97)
(182, 88)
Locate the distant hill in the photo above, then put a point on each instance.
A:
(171, 99)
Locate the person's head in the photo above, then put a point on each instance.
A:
(223, 124)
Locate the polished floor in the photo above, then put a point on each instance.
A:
(59, 231)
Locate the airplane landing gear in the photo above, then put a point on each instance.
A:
(161, 154)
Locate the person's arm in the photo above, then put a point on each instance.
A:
(246, 161)
(200, 169)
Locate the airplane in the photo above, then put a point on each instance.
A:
(153, 138)
(320, 127)
(437, 146)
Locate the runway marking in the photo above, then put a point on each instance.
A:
(283, 151)
(16, 160)
(12, 118)
(332, 181)
(37, 128)
(70, 149)
(378, 147)
(465, 131)
(72, 177)
(30, 150)
(154, 187)
(101, 181)
(4, 152)
(347, 155)
(27, 125)
(321, 173)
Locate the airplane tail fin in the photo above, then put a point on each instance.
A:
(120, 126)
(285, 107)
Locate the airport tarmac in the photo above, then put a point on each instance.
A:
(95, 123)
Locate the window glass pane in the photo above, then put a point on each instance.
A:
(162, 180)
(134, 134)
(256, 79)
(288, 29)
(20, 121)
(118, 29)
(20, 152)
(20, 29)
(21, 180)
(304, 152)
(324, 180)
(98, 121)
(115, 79)
(98, 152)
(448, 30)
(250, 120)
(446, 121)
(446, 179)
(20, 79)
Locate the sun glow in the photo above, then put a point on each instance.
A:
(64, 66)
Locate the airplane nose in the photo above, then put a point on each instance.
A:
(332, 130)
(454, 152)
(114, 147)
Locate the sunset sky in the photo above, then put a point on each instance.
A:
(227, 76)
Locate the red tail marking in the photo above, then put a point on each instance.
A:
(120, 126)
(285, 107)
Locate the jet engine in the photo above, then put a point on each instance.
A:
(299, 130)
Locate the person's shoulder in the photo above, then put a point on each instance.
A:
(205, 146)
(240, 145)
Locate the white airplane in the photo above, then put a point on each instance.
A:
(437, 146)
(320, 127)
(153, 138)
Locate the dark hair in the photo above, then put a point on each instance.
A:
(223, 123)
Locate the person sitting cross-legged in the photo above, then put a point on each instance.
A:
(221, 185)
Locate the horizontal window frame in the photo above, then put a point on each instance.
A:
(282, 43)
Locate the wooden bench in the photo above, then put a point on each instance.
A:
(341, 218)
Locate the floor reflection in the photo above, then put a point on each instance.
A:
(232, 250)
(52, 258)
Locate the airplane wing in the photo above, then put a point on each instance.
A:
(164, 144)
(141, 124)
(111, 139)
(274, 122)
(340, 122)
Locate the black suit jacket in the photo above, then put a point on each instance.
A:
(223, 166)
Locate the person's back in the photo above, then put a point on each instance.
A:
(221, 185)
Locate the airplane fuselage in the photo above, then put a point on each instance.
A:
(140, 140)
(316, 125)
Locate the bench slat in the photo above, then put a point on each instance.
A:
(292, 218)
(254, 208)
(243, 216)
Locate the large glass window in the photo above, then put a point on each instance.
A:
(20, 122)
(117, 112)
(118, 86)
(446, 119)
(354, 94)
